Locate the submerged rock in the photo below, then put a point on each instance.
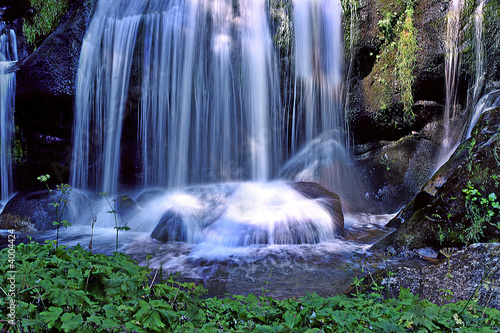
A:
(246, 214)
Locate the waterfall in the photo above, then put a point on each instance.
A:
(8, 54)
(208, 91)
(487, 102)
(319, 140)
(450, 139)
(318, 69)
(478, 41)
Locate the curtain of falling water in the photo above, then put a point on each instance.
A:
(209, 94)
(8, 54)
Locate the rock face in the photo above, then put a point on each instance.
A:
(396, 170)
(459, 205)
(478, 266)
(46, 80)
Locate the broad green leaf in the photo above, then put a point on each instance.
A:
(51, 316)
(71, 321)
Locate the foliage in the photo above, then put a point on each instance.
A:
(59, 204)
(72, 290)
(46, 15)
(480, 211)
(115, 208)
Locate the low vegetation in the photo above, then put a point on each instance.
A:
(73, 290)
(45, 15)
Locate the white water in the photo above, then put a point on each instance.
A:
(203, 114)
(319, 140)
(487, 102)
(452, 61)
(318, 70)
(479, 52)
(8, 54)
(208, 94)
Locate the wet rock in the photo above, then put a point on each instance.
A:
(395, 171)
(170, 228)
(442, 215)
(477, 266)
(375, 103)
(329, 200)
(30, 211)
(45, 88)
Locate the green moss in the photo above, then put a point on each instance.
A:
(406, 62)
(46, 15)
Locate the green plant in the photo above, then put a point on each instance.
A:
(115, 208)
(73, 290)
(447, 293)
(480, 211)
(59, 204)
(46, 14)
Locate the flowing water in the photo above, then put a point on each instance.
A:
(452, 63)
(479, 52)
(209, 95)
(188, 92)
(8, 54)
(487, 102)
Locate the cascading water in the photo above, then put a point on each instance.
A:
(318, 127)
(487, 102)
(199, 82)
(209, 93)
(450, 138)
(479, 52)
(193, 88)
(8, 54)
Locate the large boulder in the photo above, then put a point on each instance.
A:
(460, 204)
(30, 211)
(395, 171)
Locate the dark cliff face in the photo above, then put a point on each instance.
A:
(44, 97)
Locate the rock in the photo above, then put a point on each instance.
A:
(329, 200)
(439, 216)
(467, 268)
(45, 88)
(375, 103)
(30, 211)
(170, 228)
(395, 171)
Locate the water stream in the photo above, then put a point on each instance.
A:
(452, 62)
(8, 54)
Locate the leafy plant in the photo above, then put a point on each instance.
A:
(59, 204)
(73, 290)
(115, 208)
(480, 211)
